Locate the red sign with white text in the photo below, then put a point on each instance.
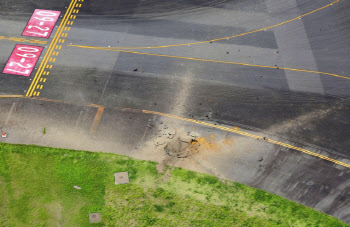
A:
(22, 60)
(41, 23)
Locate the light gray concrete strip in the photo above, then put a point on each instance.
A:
(295, 48)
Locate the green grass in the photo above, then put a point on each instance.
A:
(36, 185)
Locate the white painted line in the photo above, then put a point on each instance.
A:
(8, 117)
(76, 125)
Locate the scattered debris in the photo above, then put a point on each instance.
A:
(4, 135)
(95, 217)
(166, 176)
(159, 144)
(181, 149)
(171, 136)
(121, 178)
(76, 187)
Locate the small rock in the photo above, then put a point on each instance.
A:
(135, 70)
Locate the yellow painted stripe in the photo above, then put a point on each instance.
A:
(214, 61)
(50, 49)
(97, 119)
(248, 135)
(16, 39)
(233, 130)
(11, 96)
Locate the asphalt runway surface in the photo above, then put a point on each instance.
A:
(255, 97)
(280, 67)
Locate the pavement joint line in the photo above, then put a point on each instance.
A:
(214, 61)
(50, 49)
(16, 39)
(235, 130)
(234, 36)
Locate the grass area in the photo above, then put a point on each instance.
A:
(36, 185)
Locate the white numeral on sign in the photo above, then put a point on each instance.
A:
(45, 18)
(41, 29)
(45, 13)
(20, 65)
(28, 49)
(27, 55)
(45, 33)
(25, 72)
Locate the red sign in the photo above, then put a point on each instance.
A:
(22, 60)
(41, 23)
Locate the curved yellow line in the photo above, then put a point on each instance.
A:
(229, 37)
(215, 61)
